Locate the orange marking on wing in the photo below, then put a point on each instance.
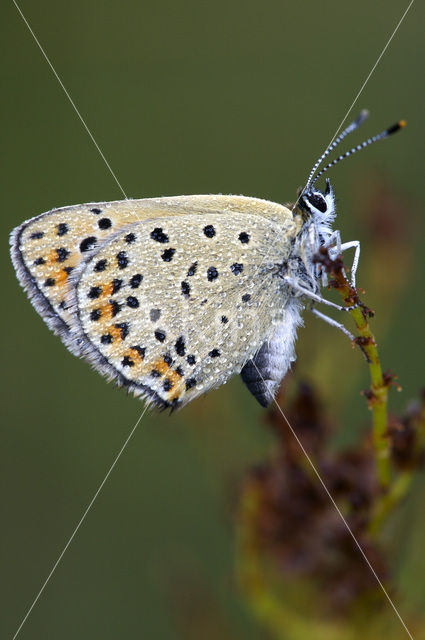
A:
(136, 358)
(135, 355)
(173, 377)
(61, 277)
(175, 392)
(115, 333)
(52, 257)
(142, 367)
(107, 289)
(106, 311)
(161, 366)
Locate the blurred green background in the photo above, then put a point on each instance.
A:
(187, 97)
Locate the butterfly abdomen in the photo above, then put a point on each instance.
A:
(265, 371)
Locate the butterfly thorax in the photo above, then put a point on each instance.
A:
(316, 211)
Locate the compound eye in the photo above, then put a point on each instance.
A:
(318, 202)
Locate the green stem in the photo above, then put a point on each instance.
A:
(387, 503)
(377, 395)
(378, 398)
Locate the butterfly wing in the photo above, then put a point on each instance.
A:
(47, 248)
(173, 307)
(68, 261)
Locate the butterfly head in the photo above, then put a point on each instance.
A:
(318, 205)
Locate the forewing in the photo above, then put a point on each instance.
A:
(174, 307)
(47, 248)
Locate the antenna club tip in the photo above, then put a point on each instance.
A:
(396, 127)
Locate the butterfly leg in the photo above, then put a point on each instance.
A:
(332, 322)
(334, 251)
(355, 264)
(314, 296)
(334, 239)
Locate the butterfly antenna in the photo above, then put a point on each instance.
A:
(384, 134)
(351, 127)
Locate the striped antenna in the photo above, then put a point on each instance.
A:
(384, 134)
(351, 127)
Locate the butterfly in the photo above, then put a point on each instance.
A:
(172, 296)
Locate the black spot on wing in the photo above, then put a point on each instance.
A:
(100, 265)
(87, 244)
(136, 280)
(192, 269)
(237, 268)
(180, 346)
(124, 329)
(185, 288)
(62, 229)
(158, 235)
(212, 274)
(209, 231)
(122, 259)
(167, 255)
(94, 292)
(132, 302)
(104, 223)
(140, 350)
(115, 307)
(62, 254)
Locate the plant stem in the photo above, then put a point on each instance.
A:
(377, 395)
(377, 398)
(384, 507)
